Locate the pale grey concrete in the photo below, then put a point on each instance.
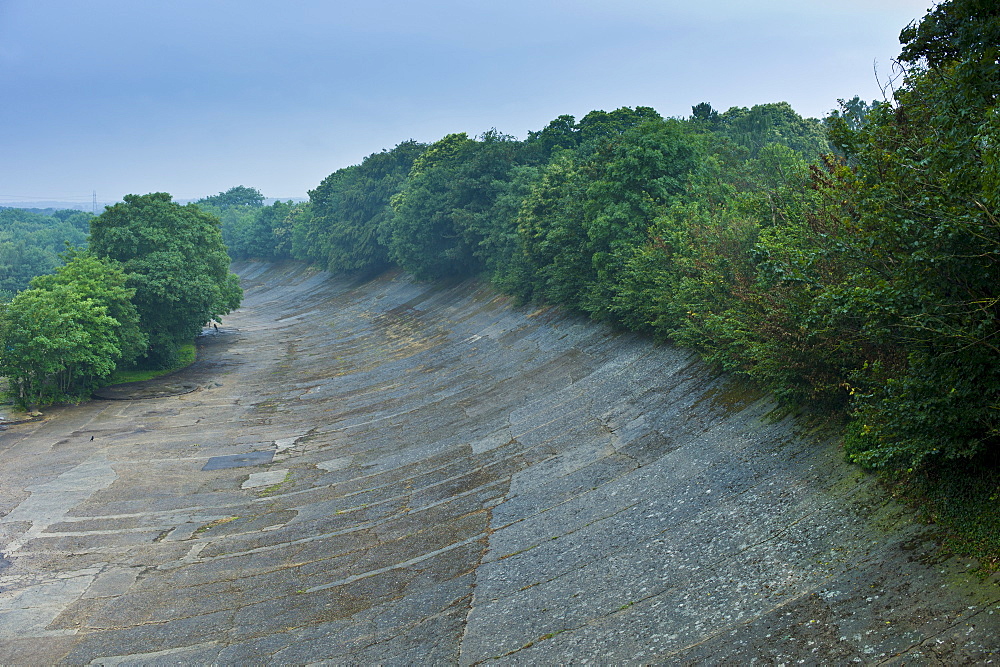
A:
(431, 475)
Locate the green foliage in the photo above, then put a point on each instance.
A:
(235, 197)
(585, 214)
(959, 39)
(927, 200)
(560, 134)
(176, 262)
(500, 245)
(423, 236)
(30, 244)
(64, 336)
(599, 126)
(703, 113)
(235, 225)
(765, 124)
(550, 234)
(731, 271)
(842, 124)
(960, 499)
(444, 217)
(350, 207)
(105, 282)
(264, 233)
(20, 262)
(873, 286)
(186, 355)
(250, 229)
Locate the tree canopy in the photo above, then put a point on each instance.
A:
(176, 263)
(30, 243)
(239, 196)
(350, 212)
(65, 335)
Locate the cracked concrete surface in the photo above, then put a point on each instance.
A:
(430, 475)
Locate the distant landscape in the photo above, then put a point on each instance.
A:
(50, 207)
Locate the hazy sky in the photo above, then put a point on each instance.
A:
(193, 97)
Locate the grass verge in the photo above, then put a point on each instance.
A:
(186, 356)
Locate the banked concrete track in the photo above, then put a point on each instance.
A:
(392, 472)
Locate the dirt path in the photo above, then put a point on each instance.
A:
(392, 472)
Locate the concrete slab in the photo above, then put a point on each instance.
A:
(267, 478)
(460, 481)
(238, 460)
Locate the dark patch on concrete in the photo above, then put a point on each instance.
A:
(239, 460)
(15, 422)
(134, 391)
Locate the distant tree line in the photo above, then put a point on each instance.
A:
(31, 241)
(249, 228)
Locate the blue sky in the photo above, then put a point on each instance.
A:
(192, 97)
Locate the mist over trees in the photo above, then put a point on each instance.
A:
(249, 228)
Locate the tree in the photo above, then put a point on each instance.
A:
(105, 282)
(927, 283)
(236, 197)
(422, 235)
(30, 243)
(255, 232)
(704, 113)
(560, 134)
(842, 125)
(764, 124)
(960, 38)
(444, 218)
(236, 226)
(246, 222)
(20, 262)
(350, 207)
(64, 336)
(731, 269)
(551, 235)
(584, 214)
(601, 125)
(177, 264)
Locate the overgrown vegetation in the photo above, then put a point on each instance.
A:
(849, 265)
(176, 263)
(66, 334)
(251, 229)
